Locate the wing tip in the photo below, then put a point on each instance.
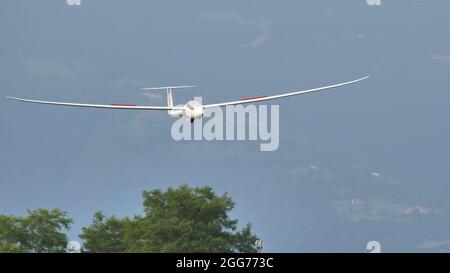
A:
(360, 79)
(13, 98)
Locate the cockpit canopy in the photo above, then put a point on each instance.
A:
(193, 104)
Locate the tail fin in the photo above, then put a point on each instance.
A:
(169, 97)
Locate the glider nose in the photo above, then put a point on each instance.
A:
(193, 110)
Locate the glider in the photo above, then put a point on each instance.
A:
(192, 109)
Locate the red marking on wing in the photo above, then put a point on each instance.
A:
(253, 98)
(122, 104)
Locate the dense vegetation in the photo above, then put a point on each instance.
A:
(184, 219)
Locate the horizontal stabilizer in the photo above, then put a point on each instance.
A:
(168, 87)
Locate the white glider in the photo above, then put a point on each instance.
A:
(192, 109)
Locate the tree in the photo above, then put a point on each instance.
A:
(179, 220)
(104, 234)
(10, 236)
(41, 231)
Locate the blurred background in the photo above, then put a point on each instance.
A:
(361, 163)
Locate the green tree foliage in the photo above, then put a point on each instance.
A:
(179, 220)
(40, 231)
(105, 234)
